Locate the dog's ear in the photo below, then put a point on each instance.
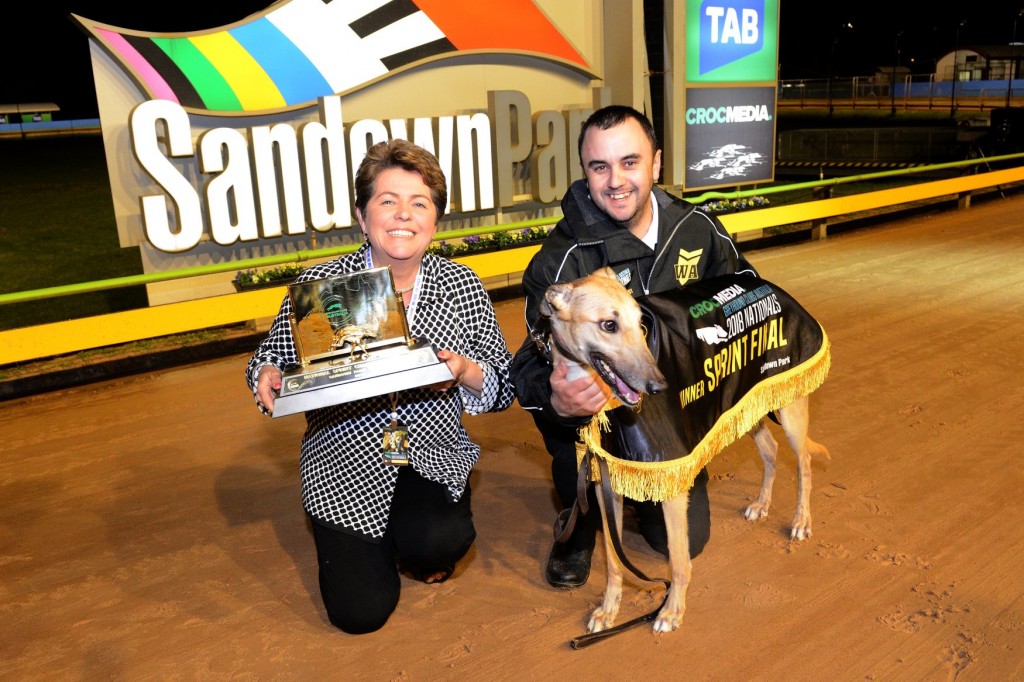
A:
(607, 272)
(556, 299)
(545, 308)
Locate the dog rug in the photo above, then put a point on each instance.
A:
(733, 349)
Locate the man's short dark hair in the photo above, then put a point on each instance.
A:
(611, 116)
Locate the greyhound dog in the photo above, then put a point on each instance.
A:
(596, 327)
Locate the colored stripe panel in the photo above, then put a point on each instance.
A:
(299, 50)
(203, 76)
(293, 74)
(247, 79)
(322, 33)
(519, 25)
(151, 78)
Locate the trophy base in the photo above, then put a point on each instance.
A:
(341, 380)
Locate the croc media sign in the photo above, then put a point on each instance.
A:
(282, 160)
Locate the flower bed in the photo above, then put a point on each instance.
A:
(734, 205)
(247, 280)
(489, 242)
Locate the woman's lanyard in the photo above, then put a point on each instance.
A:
(396, 435)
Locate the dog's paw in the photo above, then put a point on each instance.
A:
(756, 512)
(667, 621)
(801, 528)
(601, 620)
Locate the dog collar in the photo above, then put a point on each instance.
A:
(543, 345)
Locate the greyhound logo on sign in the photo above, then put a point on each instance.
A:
(728, 161)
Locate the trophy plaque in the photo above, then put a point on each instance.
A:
(353, 342)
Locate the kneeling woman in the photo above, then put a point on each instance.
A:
(371, 517)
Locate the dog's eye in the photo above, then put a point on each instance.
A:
(610, 326)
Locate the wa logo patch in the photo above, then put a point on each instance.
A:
(686, 265)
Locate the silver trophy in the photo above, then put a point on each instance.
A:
(353, 341)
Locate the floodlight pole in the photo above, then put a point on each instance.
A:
(892, 85)
(832, 63)
(831, 69)
(956, 69)
(1010, 70)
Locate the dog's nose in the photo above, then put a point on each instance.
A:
(657, 386)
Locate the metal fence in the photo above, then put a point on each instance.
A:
(904, 92)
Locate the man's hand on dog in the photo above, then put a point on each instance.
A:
(581, 398)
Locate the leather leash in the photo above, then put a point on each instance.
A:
(566, 520)
(613, 535)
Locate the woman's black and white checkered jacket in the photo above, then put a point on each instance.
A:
(345, 481)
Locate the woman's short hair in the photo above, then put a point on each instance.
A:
(407, 156)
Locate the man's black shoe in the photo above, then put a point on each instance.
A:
(568, 568)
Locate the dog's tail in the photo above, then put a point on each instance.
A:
(818, 450)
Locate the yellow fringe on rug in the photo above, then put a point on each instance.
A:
(658, 481)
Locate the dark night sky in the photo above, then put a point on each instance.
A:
(812, 33)
(47, 55)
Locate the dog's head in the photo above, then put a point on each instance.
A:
(596, 322)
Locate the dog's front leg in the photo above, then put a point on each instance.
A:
(604, 615)
(676, 525)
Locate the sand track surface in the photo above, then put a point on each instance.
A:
(151, 526)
